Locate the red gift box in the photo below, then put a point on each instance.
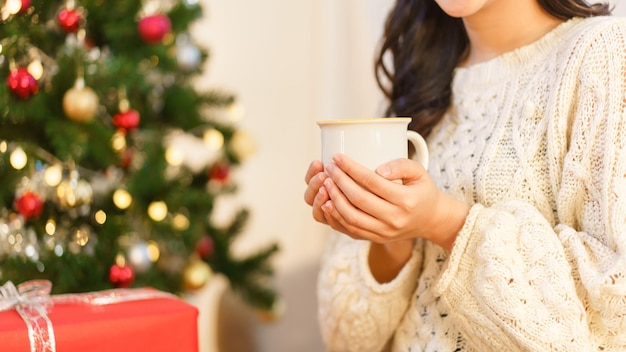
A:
(153, 324)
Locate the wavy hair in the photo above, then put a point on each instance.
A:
(425, 45)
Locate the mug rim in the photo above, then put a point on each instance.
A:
(363, 119)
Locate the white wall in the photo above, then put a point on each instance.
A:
(290, 63)
(620, 7)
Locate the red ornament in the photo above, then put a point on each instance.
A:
(153, 29)
(220, 172)
(29, 205)
(69, 20)
(128, 120)
(205, 247)
(121, 276)
(25, 6)
(22, 84)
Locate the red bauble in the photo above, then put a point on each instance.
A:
(220, 172)
(205, 247)
(153, 29)
(29, 205)
(128, 120)
(22, 84)
(25, 6)
(69, 20)
(121, 276)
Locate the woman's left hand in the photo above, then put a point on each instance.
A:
(370, 205)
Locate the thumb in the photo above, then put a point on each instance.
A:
(401, 169)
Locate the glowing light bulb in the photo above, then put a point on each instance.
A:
(118, 141)
(18, 158)
(236, 112)
(35, 68)
(122, 199)
(101, 217)
(213, 139)
(51, 227)
(180, 222)
(53, 175)
(174, 156)
(13, 6)
(153, 251)
(157, 210)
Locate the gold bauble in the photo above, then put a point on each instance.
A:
(80, 103)
(74, 193)
(196, 274)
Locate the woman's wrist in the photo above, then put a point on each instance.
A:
(454, 214)
(386, 260)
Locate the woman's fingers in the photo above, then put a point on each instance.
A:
(314, 178)
(353, 219)
(353, 193)
(315, 167)
(313, 187)
(401, 169)
(316, 207)
(315, 195)
(365, 189)
(339, 223)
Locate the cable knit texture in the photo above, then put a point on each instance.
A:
(535, 143)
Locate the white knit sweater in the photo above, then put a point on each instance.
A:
(535, 142)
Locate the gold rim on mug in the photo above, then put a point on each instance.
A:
(365, 119)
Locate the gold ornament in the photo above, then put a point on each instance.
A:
(74, 192)
(80, 103)
(196, 274)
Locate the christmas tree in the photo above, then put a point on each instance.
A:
(110, 160)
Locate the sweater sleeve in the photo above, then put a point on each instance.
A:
(356, 313)
(528, 284)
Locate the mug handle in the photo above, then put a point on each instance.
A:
(421, 148)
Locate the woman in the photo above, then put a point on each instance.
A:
(515, 238)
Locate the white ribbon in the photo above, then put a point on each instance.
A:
(31, 300)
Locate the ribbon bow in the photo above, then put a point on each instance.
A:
(32, 301)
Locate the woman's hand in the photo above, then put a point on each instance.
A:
(315, 195)
(369, 205)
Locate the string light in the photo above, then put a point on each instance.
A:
(13, 6)
(35, 68)
(236, 112)
(100, 216)
(157, 210)
(51, 227)
(122, 199)
(153, 251)
(174, 156)
(53, 175)
(213, 139)
(118, 141)
(18, 158)
(180, 222)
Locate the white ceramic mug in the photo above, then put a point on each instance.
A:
(371, 141)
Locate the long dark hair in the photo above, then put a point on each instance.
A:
(425, 45)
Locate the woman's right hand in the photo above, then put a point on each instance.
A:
(315, 194)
